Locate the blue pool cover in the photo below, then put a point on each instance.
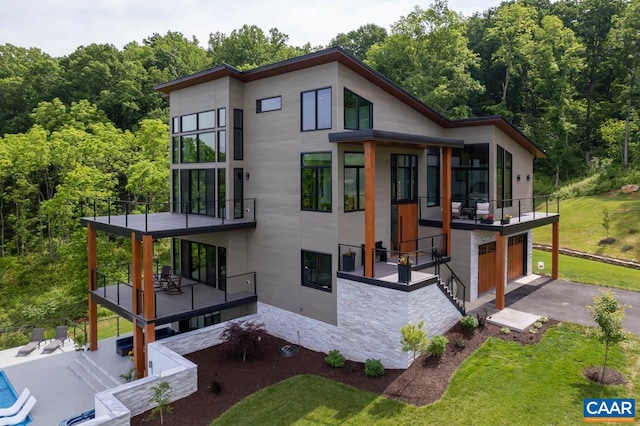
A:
(8, 396)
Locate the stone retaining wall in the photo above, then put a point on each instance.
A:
(589, 256)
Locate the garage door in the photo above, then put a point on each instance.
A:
(486, 267)
(515, 263)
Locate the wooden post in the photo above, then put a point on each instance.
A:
(369, 207)
(500, 271)
(446, 199)
(136, 286)
(555, 243)
(92, 266)
(149, 301)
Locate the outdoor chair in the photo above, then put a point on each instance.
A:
(58, 341)
(13, 410)
(37, 337)
(164, 277)
(482, 209)
(22, 414)
(456, 209)
(175, 286)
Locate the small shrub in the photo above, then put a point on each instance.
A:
(607, 241)
(160, 395)
(533, 330)
(537, 324)
(459, 341)
(482, 318)
(505, 330)
(627, 247)
(469, 323)
(243, 338)
(373, 368)
(543, 320)
(215, 387)
(438, 345)
(335, 359)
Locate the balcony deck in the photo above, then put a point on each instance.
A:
(516, 224)
(195, 299)
(166, 224)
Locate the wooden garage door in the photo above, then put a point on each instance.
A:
(515, 257)
(486, 267)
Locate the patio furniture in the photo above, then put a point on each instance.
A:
(174, 286)
(164, 277)
(456, 209)
(125, 344)
(58, 341)
(11, 411)
(482, 209)
(37, 337)
(22, 414)
(470, 212)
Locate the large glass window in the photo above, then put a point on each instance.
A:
(204, 263)
(433, 177)
(470, 174)
(316, 109)
(316, 181)
(238, 134)
(189, 123)
(207, 120)
(206, 147)
(222, 146)
(404, 178)
(202, 147)
(196, 191)
(222, 192)
(358, 112)
(353, 181)
(316, 270)
(189, 148)
(504, 181)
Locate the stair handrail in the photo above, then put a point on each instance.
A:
(464, 287)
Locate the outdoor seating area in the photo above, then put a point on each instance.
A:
(167, 282)
(58, 341)
(124, 345)
(37, 337)
(19, 411)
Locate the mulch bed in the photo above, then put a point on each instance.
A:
(421, 384)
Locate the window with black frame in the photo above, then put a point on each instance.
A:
(316, 270)
(433, 177)
(358, 112)
(470, 174)
(504, 181)
(404, 178)
(316, 181)
(316, 109)
(353, 181)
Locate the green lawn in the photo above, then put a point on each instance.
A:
(589, 271)
(581, 226)
(503, 383)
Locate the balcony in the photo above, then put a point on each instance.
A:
(508, 216)
(169, 219)
(195, 299)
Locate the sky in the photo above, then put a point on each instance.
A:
(58, 27)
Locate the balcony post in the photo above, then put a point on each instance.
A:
(149, 299)
(555, 242)
(369, 206)
(136, 286)
(500, 271)
(446, 199)
(93, 306)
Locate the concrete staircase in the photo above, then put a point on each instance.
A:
(93, 375)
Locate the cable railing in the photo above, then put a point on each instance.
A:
(487, 211)
(232, 210)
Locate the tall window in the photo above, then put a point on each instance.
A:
(353, 181)
(404, 178)
(358, 112)
(316, 181)
(200, 262)
(316, 109)
(196, 140)
(470, 174)
(433, 177)
(194, 191)
(238, 134)
(316, 270)
(504, 185)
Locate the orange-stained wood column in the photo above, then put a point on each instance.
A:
(555, 246)
(136, 303)
(92, 266)
(446, 199)
(149, 301)
(369, 206)
(500, 271)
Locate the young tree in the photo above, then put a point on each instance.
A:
(161, 395)
(608, 314)
(414, 338)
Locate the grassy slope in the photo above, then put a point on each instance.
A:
(502, 383)
(581, 225)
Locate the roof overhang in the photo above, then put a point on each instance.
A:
(382, 137)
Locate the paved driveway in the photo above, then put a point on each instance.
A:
(567, 301)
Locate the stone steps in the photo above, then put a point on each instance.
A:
(92, 374)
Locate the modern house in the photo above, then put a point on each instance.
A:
(298, 187)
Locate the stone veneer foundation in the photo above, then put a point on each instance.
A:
(369, 321)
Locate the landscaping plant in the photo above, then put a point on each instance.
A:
(161, 395)
(414, 338)
(469, 323)
(438, 345)
(335, 359)
(243, 338)
(608, 314)
(373, 368)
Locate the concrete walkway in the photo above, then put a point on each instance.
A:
(560, 300)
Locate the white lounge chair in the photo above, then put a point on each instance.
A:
(22, 414)
(482, 209)
(10, 411)
(456, 209)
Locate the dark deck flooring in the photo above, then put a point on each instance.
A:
(388, 271)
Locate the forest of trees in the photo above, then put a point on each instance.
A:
(90, 124)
